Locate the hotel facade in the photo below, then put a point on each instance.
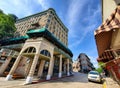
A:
(39, 48)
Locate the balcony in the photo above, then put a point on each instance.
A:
(108, 55)
(8, 52)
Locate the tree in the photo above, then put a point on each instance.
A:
(7, 25)
(101, 67)
(14, 17)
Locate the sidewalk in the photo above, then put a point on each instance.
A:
(110, 83)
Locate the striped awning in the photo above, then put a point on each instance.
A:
(112, 22)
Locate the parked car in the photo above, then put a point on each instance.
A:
(94, 76)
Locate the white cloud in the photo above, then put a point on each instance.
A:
(23, 8)
(74, 12)
(90, 20)
(83, 35)
(18, 7)
(44, 4)
(94, 61)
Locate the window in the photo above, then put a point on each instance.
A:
(46, 25)
(30, 50)
(50, 16)
(48, 20)
(55, 23)
(53, 31)
(53, 27)
(45, 53)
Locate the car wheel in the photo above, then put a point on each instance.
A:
(88, 80)
(101, 82)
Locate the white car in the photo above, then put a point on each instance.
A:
(94, 76)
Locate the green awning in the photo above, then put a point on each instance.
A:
(14, 40)
(43, 32)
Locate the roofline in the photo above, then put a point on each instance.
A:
(30, 16)
(59, 19)
(43, 13)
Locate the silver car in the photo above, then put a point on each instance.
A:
(94, 76)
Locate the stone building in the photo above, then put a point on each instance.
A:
(42, 43)
(85, 63)
(76, 66)
(107, 38)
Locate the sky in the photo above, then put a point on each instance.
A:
(81, 17)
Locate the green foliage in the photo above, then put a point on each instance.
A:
(7, 27)
(101, 64)
(101, 67)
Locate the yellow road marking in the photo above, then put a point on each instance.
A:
(104, 85)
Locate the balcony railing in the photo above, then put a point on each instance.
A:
(8, 52)
(108, 55)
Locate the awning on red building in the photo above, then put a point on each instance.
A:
(112, 22)
(104, 32)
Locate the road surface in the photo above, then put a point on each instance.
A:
(79, 80)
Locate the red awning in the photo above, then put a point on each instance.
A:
(103, 34)
(112, 22)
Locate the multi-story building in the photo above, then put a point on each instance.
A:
(85, 63)
(47, 19)
(76, 66)
(41, 41)
(107, 38)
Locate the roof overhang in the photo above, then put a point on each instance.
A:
(43, 32)
(103, 34)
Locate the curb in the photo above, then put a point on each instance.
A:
(55, 78)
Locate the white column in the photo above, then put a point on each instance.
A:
(42, 63)
(50, 68)
(60, 67)
(32, 70)
(28, 65)
(9, 76)
(68, 73)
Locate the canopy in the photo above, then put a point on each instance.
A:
(43, 32)
(112, 22)
(103, 34)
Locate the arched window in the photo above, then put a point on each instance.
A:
(30, 50)
(45, 53)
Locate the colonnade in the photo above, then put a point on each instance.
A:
(43, 51)
(40, 69)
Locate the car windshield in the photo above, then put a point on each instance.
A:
(95, 73)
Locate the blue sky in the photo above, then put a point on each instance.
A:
(81, 17)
